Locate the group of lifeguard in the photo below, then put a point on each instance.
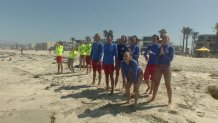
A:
(84, 50)
(112, 57)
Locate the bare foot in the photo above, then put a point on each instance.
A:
(169, 106)
(93, 83)
(151, 100)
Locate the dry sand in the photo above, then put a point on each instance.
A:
(31, 92)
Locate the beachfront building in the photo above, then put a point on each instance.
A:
(146, 41)
(209, 41)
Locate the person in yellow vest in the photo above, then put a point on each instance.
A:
(72, 54)
(59, 52)
(82, 53)
(88, 58)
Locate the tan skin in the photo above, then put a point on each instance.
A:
(70, 62)
(60, 65)
(127, 58)
(109, 41)
(89, 67)
(123, 42)
(151, 84)
(97, 38)
(82, 59)
(165, 41)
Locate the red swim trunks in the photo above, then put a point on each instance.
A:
(149, 72)
(108, 68)
(88, 60)
(97, 66)
(59, 59)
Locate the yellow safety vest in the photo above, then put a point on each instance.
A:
(59, 50)
(82, 49)
(88, 49)
(72, 54)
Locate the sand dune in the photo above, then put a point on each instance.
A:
(31, 92)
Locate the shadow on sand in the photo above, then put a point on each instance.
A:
(115, 109)
(96, 94)
(70, 87)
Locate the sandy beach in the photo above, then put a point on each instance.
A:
(31, 92)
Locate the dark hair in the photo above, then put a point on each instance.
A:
(134, 36)
(156, 36)
(109, 35)
(124, 38)
(60, 42)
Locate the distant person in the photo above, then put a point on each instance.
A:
(96, 56)
(133, 74)
(152, 61)
(165, 57)
(49, 50)
(121, 49)
(21, 50)
(82, 52)
(110, 52)
(59, 52)
(134, 48)
(72, 54)
(88, 49)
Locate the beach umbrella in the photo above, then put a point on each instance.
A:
(203, 49)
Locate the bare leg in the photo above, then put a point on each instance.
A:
(107, 81)
(124, 79)
(69, 64)
(136, 94)
(152, 87)
(148, 84)
(94, 76)
(61, 67)
(156, 83)
(58, 68)
(167, 78)
(99, 78)
(117, 76)
(112, 83)
(90, 66)
(136, 87)
(128, 86)
(72, 65)
(83, 62)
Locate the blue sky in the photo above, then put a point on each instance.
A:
(52, 20)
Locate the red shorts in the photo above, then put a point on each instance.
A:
(88, 60)
(149, 71)
(59, 59)
(97, 66)
(108, 68)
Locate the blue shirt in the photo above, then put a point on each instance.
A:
(167, 58)
(135, 52)
(153, 50)
(97, 51)
(121, 50)
(131, 71)
(110, 51)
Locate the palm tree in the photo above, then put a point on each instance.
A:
(88, 38)
(194, 37)
(162, 32)
(110, 32)
(105, 32)
(183, 40)
(188, 33)
(72, 39)
(216, 28)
